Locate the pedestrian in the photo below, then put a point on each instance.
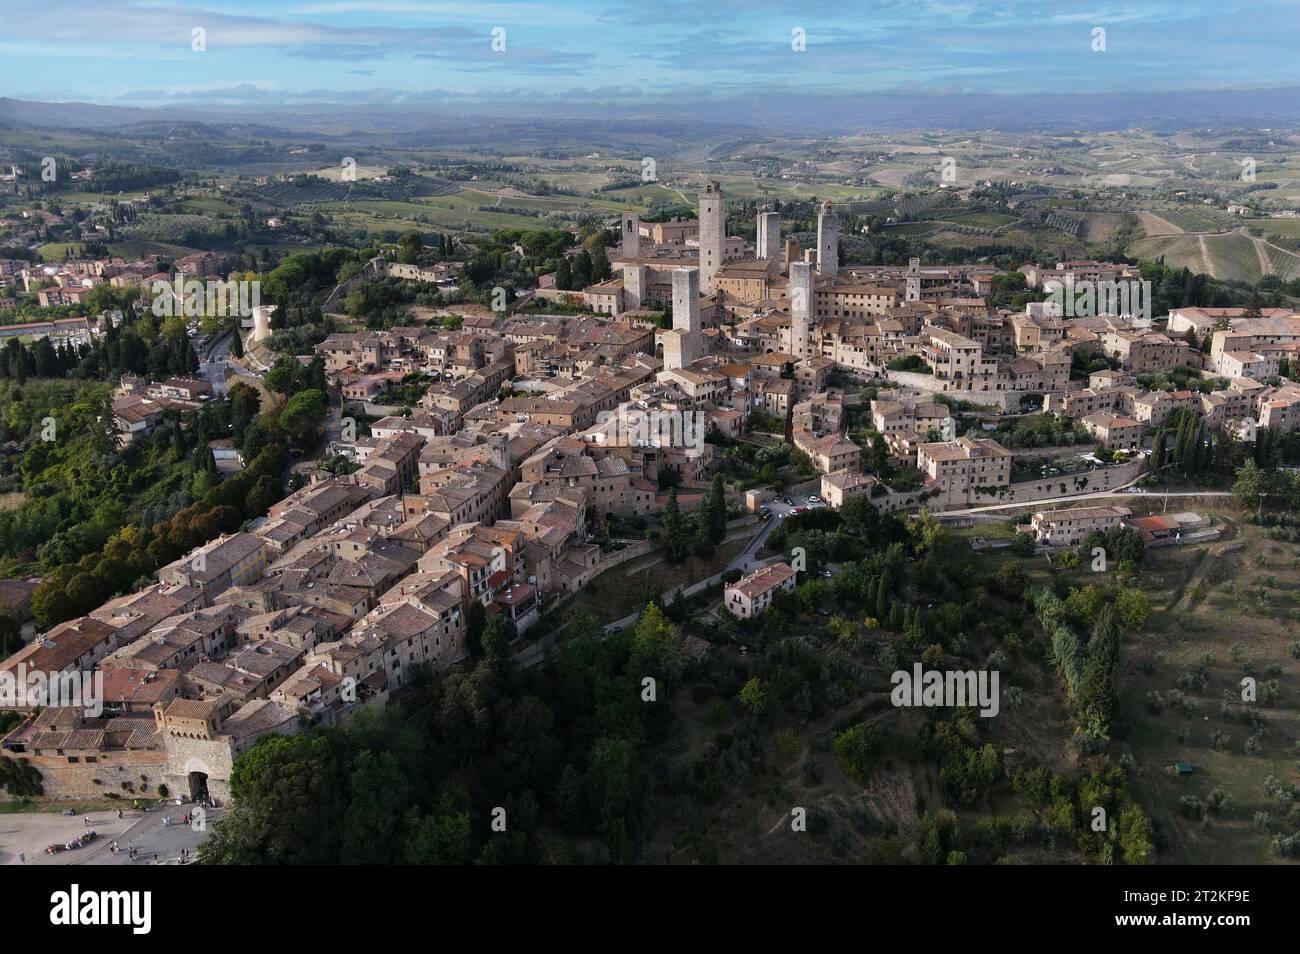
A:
(87, 821)
(119, 814)
(22, 857)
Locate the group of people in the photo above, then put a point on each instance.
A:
(132, 852)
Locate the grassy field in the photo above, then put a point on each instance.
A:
(1235, 256)
(1227, 611)
(457, 211)
(1234, 599)
(988, 220)
(1286, 227)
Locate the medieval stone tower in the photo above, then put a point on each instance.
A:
(791, 253)
(801, 308)
(768, 245)
(713, 232)
(828, 240)
(499, 451)
(912, 286)
(631, 235)
(683, 342)
(686, 300)
(634, 282)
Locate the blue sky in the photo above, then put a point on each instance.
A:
(281, 52)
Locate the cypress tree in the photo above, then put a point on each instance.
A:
(1097, 702)
(674, 530)
(715, 513)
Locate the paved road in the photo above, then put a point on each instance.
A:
(214, 366)
(29, 832)
(1118, 492)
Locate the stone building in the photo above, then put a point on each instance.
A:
(713, 232)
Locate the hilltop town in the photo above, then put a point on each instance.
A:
(391, 465)
(609, 435)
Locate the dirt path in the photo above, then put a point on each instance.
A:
(1182, 599)
(1205, 257)
(1156, 227)
(1260, 254)
(1157, 809)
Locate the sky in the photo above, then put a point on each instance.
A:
(279, 53)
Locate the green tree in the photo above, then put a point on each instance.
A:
(302, 416)
(569, 802)
(10, 636)
(754, 697)
(1096, 698)
(1137, 835)
(1134, 608)
(857, 749)
(1250, 486)
(378, 795)
(611, 784)
(715, 510)
(675, 542)
(442, 837)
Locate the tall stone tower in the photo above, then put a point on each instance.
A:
(801, 308)
(499, 451)
(713, 232)
(768, 245)
(912, 286)
(791, 253)
(828, 240)
(682, 342)
(631, 235)
(634, 281)
(686, 300)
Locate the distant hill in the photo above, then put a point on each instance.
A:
(685, 117)
(1232, 256)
